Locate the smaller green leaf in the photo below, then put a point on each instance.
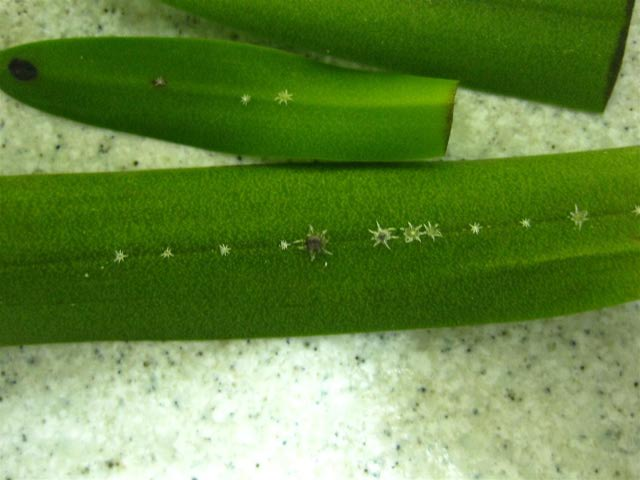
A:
(233, 97)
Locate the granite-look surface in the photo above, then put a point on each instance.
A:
(555, 398)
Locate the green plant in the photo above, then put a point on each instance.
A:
(566, 52)
(299, 250)
(233, 97)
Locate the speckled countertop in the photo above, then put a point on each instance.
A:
(555, 398)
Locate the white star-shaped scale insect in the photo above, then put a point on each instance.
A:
(284, 245)
(636, 211)
(475, 228)
(382, 236)
(245, 99)
(159, 82)
(167, 253)
(525, 222)
(120, 256)
(284, 97)
(432, 231)
(412, 233)
(225, 250)
(578, 217)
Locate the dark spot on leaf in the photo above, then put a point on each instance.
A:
(22, 70)
(314, 244)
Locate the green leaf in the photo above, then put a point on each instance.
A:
(233, 97)
(61, 281)
(566, 52)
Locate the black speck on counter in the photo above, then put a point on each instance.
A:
(511, 395)
(23, 70)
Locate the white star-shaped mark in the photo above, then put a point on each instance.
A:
(225, 250)
(159, 82)
(284, 97)
(167, 253)
(578, 217)
(412, 233)
(432, 231)
(475, 228)
(284, 245)
(245, 99)
(636, 210)
(382, 236)
(120, 256)
(525, 222)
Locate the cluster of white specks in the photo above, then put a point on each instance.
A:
(315, 242)
(578, 217)
(383, 236)
(120, 256)
(284, 97)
